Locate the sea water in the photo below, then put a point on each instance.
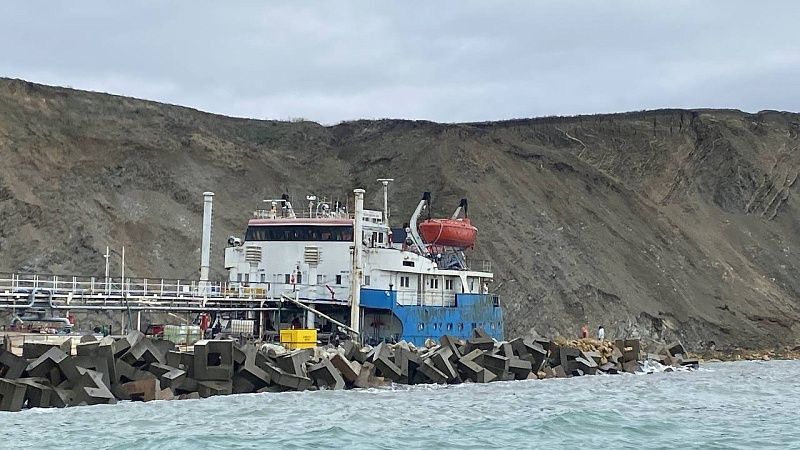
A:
(721, 405)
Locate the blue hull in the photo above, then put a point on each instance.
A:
(419, 323)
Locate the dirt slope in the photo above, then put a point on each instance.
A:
(667, 223)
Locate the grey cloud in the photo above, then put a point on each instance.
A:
(446, 61)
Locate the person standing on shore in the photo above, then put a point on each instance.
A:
(601, 333)
(584, 331)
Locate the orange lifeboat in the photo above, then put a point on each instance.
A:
(448, 232)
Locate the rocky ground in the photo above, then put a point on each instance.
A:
(666, 225)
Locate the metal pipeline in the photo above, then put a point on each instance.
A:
(31, 300)
(156, 308)
(62, 320)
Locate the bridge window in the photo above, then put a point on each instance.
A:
(288, 278)
(448, 284)
(405, 282)
(299, 233)
(338, 279)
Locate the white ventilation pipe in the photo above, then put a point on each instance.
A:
(205, 246)
(356, 273)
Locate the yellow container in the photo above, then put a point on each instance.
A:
(302, 338)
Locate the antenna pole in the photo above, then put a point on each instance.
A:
(385, 182)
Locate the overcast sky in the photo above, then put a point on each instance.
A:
(448, 61)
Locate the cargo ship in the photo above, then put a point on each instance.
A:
(321, 267)
(410, 283)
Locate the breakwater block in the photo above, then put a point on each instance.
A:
(90, 389)
(209, 388)
(441, 360)
(127, 372)
(345, 368)
(520, 368)
(429, 370)
(213, 360)
(12, 395)
(385, 366)
(138, 368)
(33, 350)
(86, 348)
(37, 392)
(141, 390)
(11, 365)
(470, 365)
(366, 376)
(142, 353)
(182, 360)
(295, 361)
(325, 375)
(168, 376)
(43, 365)
(498, 365)
(676, 350)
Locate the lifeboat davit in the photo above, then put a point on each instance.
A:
(448, 232)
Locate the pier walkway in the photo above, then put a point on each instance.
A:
(59, 292)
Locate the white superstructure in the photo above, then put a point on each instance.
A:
(309, 255)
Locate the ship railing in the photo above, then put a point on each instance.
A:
(267, 214)
(12, 283)
(327, 292)
(411, 297)
(483, 265)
